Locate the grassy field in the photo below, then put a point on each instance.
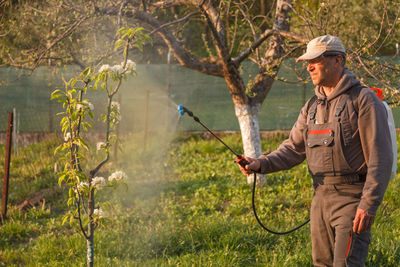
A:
(189, 206)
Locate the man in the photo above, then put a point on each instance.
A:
(343, 133)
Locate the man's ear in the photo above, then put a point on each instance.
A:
(339, 60)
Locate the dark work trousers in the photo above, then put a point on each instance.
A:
(333, 210)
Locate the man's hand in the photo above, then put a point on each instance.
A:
(253, 166)
(363, 221)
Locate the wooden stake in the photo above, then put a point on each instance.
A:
(7, 166)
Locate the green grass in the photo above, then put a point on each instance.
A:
(189, 206)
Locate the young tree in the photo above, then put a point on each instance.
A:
(85, 184)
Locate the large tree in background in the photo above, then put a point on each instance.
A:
(211, 37)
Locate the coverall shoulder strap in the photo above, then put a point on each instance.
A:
(340, 106)
(354, 93)
(312, 107)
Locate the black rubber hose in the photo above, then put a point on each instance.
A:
(258, 220)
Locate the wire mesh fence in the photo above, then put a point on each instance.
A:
(148, 101)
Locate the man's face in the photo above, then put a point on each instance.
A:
(322, 70)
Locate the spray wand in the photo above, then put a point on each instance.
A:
(242, 162)
(240, 159)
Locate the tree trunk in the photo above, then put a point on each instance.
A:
(90, 233)
(247, 116)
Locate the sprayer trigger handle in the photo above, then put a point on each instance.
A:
(241, 161)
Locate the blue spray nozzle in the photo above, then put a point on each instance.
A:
(180, 109)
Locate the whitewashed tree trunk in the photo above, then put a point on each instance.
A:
(249, 127)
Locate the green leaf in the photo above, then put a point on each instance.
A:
(62, 178)
(86, 72)
(58, 148)
(66, 217)
(121, 31)
(119, 43)
(57, 92)
(82, 143)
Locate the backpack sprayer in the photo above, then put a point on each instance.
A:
(242, 162)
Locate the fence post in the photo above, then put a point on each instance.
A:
(7, 166)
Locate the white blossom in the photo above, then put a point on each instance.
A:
(117, 176)
(99, 182)
(115, 105)
(88, 104)
(67, 137)
(85, 104)
(99, 213)
(81, 186)
(117, 69)
(105, 68)
(323, 4)
(130, 66)
(79, 106)
(100, 145)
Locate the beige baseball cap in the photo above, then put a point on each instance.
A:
(320, 45)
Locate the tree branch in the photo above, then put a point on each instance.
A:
(218, 33)
(372, 75)
(246, 53)
(171, 3)
(68, 32)
(182, 55)
(265, 35)
(175, 22)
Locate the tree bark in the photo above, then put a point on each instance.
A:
(90, 233)
(247, 116)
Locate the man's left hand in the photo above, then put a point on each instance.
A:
(363, 221)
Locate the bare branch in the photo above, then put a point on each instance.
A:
(73, 7)
(250, 23)
(218, 31)
(123, 4)
(245, 54)
(266, 34)
(68, 32)
(175, 22)
(380, 29)
(372, 75)
(171, 3)
(215, 21)
(389, 31)
(233, 39)
(182, 55)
